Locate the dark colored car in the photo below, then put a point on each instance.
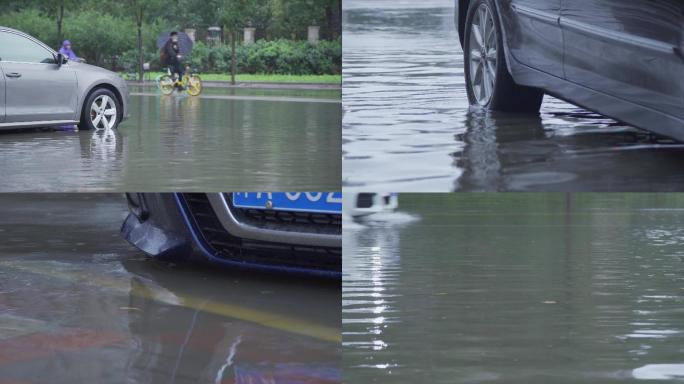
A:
(284, 232)
(620, 58)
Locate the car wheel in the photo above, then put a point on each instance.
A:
(488, 82)
(102, 110)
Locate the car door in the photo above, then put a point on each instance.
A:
(533, 33)
(36, 88)
(2, 96)
(627, 49)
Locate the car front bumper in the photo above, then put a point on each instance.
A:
(181, 226)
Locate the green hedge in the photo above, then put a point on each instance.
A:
(266, 57)
(293, 57)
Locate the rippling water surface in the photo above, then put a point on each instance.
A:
(222, 140)
(408, 127)
(530, 288)
(78, 304)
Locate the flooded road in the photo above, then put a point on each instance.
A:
(79, 305)
(222, 140)
(517, 288)
(408, 127)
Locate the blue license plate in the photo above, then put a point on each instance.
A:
(314, 202)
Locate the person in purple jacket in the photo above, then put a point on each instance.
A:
(68, 52)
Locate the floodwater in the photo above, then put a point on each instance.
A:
(79, 305)
(517, 288)
(408, 127)
(222, 140)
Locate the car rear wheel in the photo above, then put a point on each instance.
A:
(101, 111)
(488, 82)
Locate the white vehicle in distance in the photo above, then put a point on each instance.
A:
(357, 205)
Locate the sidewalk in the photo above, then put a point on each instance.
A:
(253, 85)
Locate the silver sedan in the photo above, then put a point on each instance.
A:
(39, 87)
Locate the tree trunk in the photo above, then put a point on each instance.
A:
(141, 60)
(334, 27)
(60, 20)
(233, 57)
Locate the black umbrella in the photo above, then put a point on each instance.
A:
(184, 42)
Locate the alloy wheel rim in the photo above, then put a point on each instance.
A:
(483, 55)
(103, 112)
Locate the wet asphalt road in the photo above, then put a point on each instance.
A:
(78, 304)
(516, 289)
(408, 127)
(223, 140)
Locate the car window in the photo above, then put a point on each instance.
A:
(14, 47)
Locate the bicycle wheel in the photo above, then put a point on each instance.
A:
(166, 84)
(194, 84)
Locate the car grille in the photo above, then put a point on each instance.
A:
(319, 223)
(228, 247)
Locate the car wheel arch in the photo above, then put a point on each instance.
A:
(102, 85)
(462, 10)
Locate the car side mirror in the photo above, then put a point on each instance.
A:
(60, 60)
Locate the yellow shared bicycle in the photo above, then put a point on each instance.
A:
(191, 83)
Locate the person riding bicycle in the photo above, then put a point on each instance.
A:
(172, 57)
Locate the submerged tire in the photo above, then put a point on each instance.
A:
(488, 82)
(101, 110)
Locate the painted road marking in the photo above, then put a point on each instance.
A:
(157, 293)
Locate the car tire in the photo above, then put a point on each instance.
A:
(101, 110)
(488, 82)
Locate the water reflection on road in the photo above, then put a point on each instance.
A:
(79, 305)
(529, 288)
(408, 127)
(252, 140)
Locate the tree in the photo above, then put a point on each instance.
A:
(99, 36)
(237, 14)
(292, 17)
(233, 15)
(31, 21)
(143, 12)
(333, 12)
(198, 14)
(56, 9)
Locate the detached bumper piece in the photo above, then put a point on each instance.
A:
(153, 240)
(222, 245)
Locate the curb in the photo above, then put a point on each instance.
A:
(253, 85)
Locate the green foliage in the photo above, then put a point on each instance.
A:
(105, 33)
(292, 17)
(237, 14)
(192, 13)
(96, 36)
(33, 22)
(128, 60)
(272, 57)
